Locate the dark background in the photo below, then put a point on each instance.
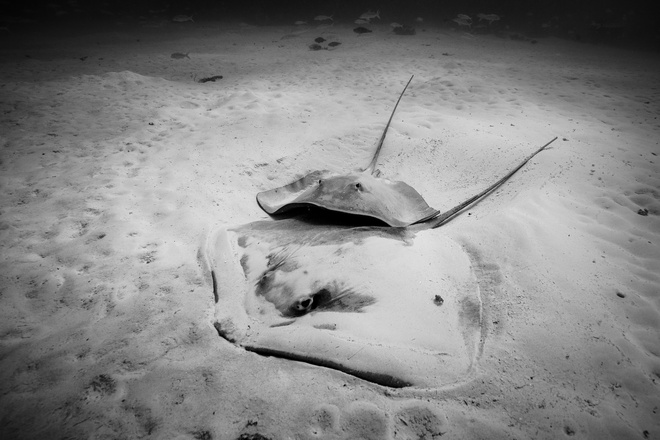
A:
(607, 21)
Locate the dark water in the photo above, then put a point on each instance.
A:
(610, 22)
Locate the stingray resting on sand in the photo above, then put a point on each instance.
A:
(365, 193)
(396, 303)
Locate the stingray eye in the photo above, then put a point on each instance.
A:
(303, 305)
(358, 186)
(319, 182)
(306, 303)
(311, 302)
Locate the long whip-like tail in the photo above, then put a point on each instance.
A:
(372, 166)
(444, 217)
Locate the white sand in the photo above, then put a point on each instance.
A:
(113, 168)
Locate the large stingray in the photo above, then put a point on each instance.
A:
(398, 306)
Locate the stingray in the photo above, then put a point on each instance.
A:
(392, 306)
(394, 303)
(365, 193)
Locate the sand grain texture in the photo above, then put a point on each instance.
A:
(113, 168)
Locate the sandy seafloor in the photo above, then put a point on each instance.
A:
(115, 163)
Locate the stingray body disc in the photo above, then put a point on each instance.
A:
(393, 202)
(364, 301)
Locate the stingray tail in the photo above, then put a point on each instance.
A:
(448, 215)
(372, 166)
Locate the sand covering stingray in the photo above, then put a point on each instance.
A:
(352, 299)
(399, 306)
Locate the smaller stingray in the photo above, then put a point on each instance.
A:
(366, 193)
